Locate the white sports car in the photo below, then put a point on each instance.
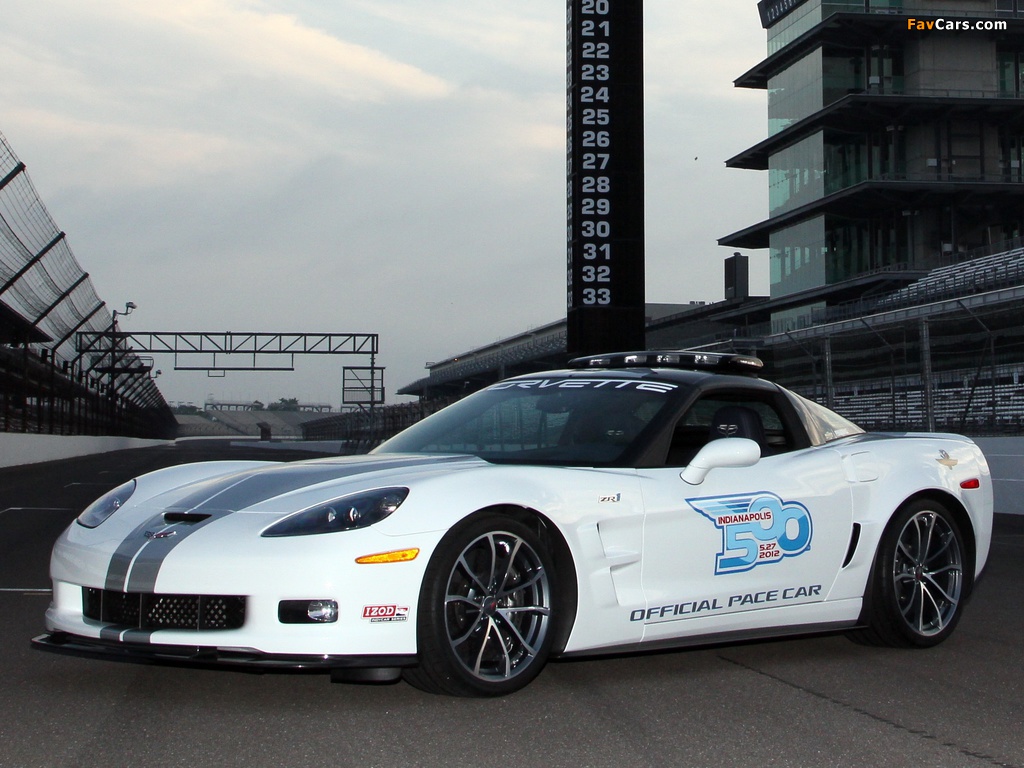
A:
(634, 501)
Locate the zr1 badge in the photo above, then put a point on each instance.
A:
(757, 529)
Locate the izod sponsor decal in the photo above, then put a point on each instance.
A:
(385, 613)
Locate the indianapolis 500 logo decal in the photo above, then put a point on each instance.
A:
(756, 529)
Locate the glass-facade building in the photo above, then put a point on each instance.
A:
(895, 143)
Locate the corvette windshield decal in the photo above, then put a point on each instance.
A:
(756, 528)
(590, 383)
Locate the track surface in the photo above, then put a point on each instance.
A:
(821, 701)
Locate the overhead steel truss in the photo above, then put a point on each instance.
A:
(218, 345)
(116, 352)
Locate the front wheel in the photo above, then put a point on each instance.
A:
(487, 610)
(920, 580)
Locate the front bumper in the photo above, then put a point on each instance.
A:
(227, 563)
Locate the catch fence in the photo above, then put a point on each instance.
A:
(48, 384)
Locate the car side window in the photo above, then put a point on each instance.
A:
(722, 416)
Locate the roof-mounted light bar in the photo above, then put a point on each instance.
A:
(686, 359)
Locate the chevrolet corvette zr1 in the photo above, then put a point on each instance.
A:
(630, 502)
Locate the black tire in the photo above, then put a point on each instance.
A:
(487, 610)
(920, 581)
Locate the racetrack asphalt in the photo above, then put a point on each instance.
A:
(818, 701)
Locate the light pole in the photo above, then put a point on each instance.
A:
(112, 380)
(128, 307)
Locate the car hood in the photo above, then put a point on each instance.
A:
(257, 488)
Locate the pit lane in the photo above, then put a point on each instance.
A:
(819, 701)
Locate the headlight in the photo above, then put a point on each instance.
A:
(106, 505)
(345, 514)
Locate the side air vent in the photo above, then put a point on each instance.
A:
(854, 540)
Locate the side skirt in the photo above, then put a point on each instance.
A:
(719, 638)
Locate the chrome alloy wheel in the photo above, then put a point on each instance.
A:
(497, 606)
(928, 573)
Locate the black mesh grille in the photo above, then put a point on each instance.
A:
(144, 610)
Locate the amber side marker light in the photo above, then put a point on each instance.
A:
(398, 556)
(971, 485)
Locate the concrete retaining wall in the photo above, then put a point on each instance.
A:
(1006, 461)
(17, 449)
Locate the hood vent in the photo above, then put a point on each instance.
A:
(184, 517)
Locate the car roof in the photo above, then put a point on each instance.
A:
(692, 367)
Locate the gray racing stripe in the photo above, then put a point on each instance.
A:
(137, 636)
(121, 560)
(136, 563)
(240, 490)
(117, 634)
(136, 542)
(112, 633)
(144, 570)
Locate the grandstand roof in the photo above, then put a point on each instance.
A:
(46, 302)
(538, 349)
(14, 329)
(984, 281)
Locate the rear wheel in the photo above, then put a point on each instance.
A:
(920, 581)
(486, 611)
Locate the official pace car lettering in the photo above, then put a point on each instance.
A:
(688, 609)
(756, 529)
(640, 386)
(376, 614)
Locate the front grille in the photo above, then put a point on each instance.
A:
(145, 610)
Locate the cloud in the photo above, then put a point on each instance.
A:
(197, 88)
(265, 44)
(525, 37)
(701, 51)
(390, 166)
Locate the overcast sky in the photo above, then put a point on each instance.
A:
(372, 166)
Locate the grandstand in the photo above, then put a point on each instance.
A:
(214, 422)
(362, 430)
(537, 349)
(970, 276)
(944, 352)
(48, 382)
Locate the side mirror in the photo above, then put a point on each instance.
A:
(726, 452)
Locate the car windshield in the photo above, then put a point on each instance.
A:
(561, 420)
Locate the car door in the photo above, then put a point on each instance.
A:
(744, 546)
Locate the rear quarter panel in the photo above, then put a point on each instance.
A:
(885, 471)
